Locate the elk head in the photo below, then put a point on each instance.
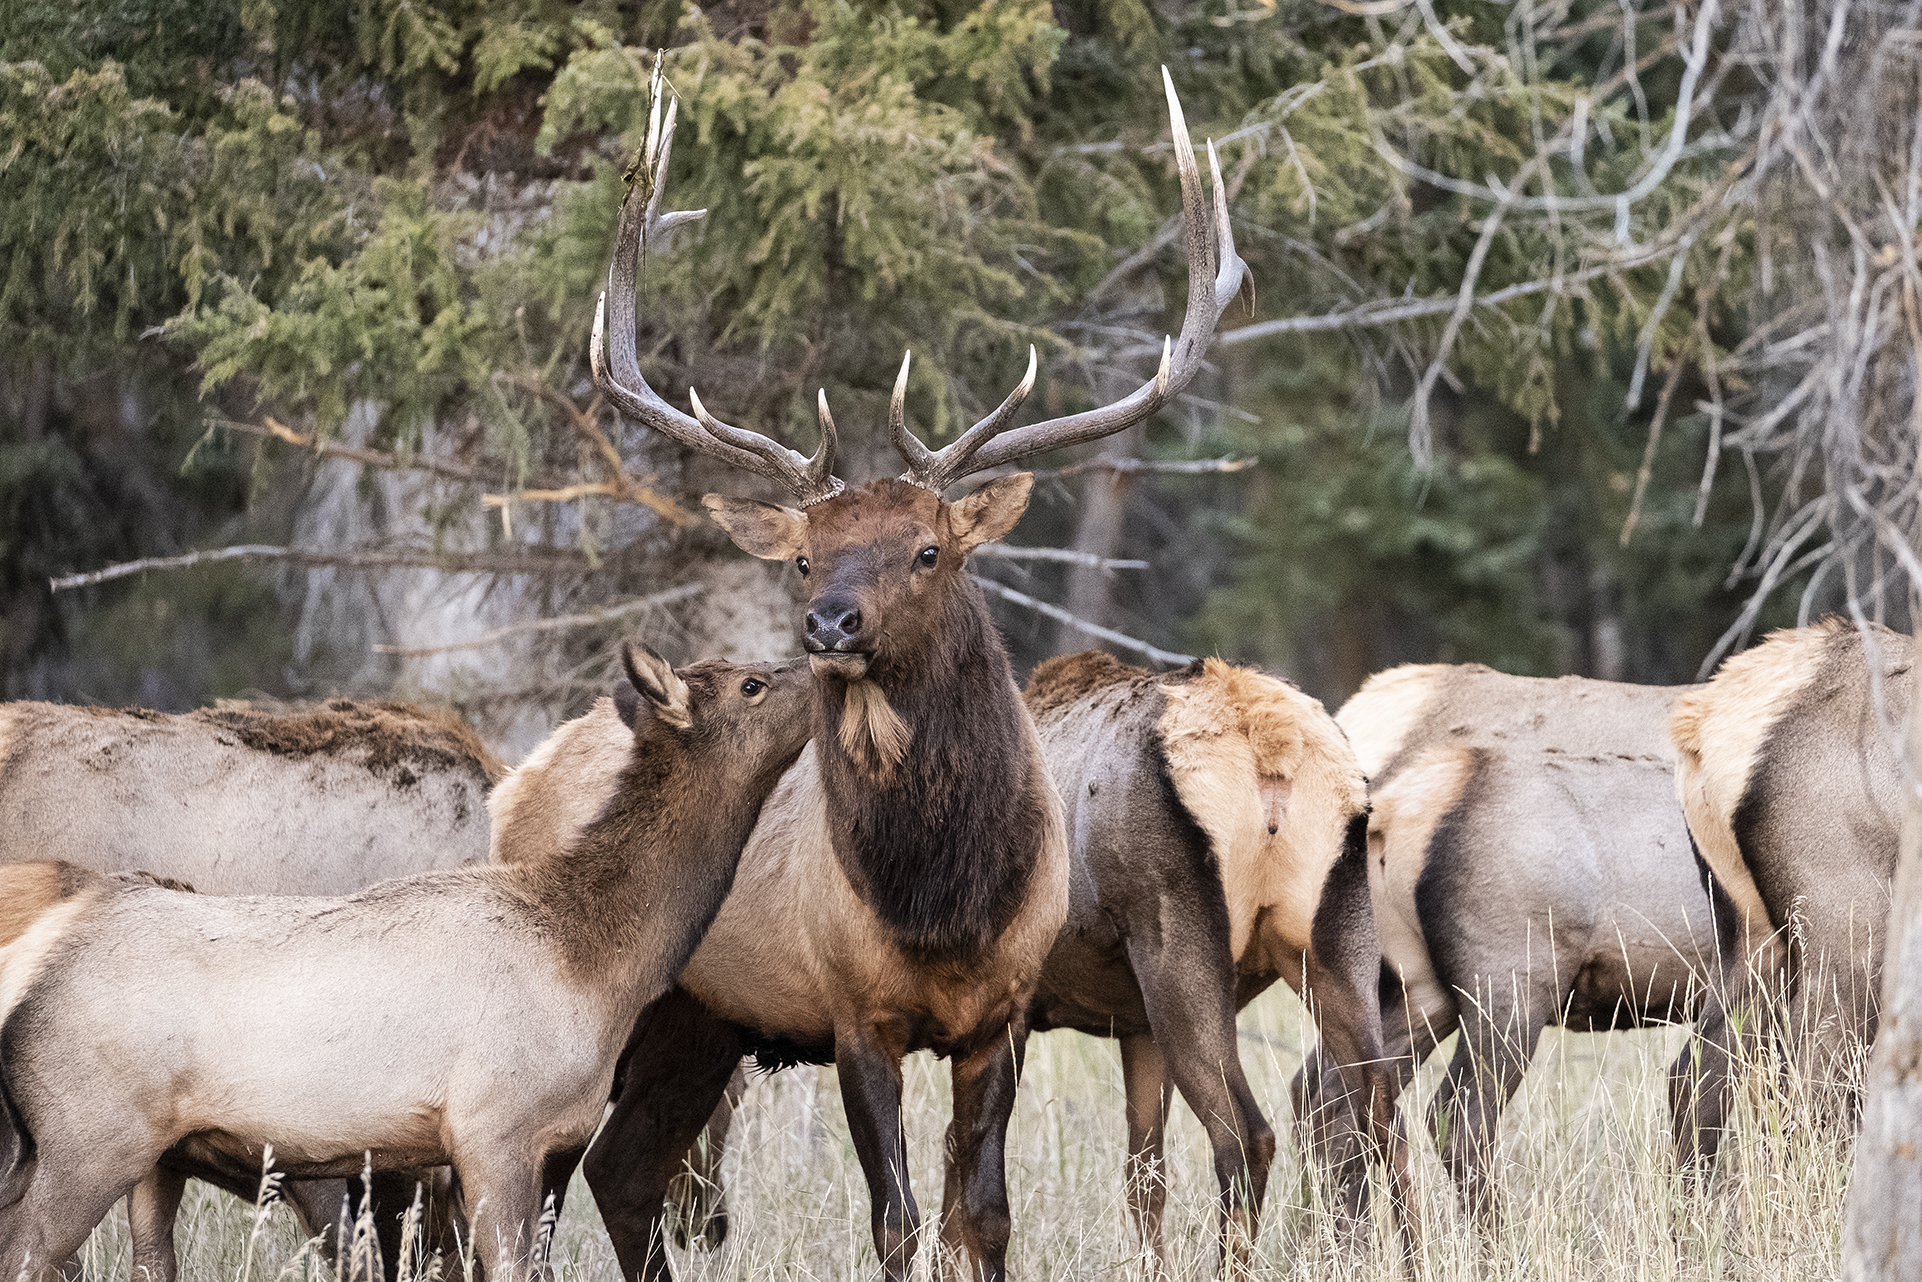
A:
(884, 563)
(739, 724)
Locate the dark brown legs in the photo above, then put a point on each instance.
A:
(676, 1070)
(868, 1061)
(975, 1221)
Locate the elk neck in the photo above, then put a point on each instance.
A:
(943, 846)
(628, 901)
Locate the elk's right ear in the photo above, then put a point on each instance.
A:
(655, 682)
(766, 530)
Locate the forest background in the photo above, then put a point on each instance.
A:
(317, 279)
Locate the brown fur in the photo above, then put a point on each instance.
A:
(385, 737)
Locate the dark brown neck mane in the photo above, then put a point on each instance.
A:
(944, 847)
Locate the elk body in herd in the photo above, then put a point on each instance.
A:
(1217, 821)
(910, 874)
(471, 1017)
(323, 800)
(1529, 866)
(1793, 790)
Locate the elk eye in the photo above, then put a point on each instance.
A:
(929, 556)
(752, 687)
(801, 564)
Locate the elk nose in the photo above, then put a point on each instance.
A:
(832, 624)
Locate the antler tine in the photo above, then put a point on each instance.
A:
(938, 470)
(1210, 290)
(617, 368)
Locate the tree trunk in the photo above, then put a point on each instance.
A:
(1883, 1239)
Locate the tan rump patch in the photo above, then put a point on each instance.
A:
(1381, 715)
(1243, 747)
(1719, 732)
(1406, 811)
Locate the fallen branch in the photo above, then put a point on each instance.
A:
(1002, 552)
(564, 622)
(405, 559)
(1060, 615)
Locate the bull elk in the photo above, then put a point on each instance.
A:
(1529, 867)
(472, 1017)
(910, 874)
(1793, 788)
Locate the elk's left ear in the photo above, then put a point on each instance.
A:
(991, 511)
(656, 682)
(766, 530)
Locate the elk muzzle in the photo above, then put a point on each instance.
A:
(833, 622)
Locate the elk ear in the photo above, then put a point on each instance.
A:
(991, 511)
(765, 530)
(655, 682)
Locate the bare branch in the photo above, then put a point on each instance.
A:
(1002, 552)
(560, 623)
(401, 559)
(1060, 615)
(276, 430)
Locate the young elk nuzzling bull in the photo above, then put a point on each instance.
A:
(1217, 819)
(321, 800)
(471, 1017)
(1792, 784)
(1529, 867)
(910, 874)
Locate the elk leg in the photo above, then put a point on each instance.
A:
(1145, 1084)
(868, 1061)
(509, 1239)
(151, 1210)
(1490, 1059)
(673, 1072)
(1187, 984)
(975, 1217)
(697, 1194)
(52, 1220)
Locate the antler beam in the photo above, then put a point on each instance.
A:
(1210, 289)
(615, 359)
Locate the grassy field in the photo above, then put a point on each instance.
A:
(1587, 1173)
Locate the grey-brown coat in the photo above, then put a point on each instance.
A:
(1528, 867)
(132, 1019)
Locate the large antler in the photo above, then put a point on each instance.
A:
(617, 368)
(1209, 292)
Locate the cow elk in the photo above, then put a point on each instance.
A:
(1793, 787)
(1529, 867)
(910, 874)
(1217, 819)
(471, 1017)
(323, 799)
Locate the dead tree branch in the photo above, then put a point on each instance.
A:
(1059, 615)
(384, 559)
(560, 623)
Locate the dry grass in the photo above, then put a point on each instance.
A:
(1587, 1173)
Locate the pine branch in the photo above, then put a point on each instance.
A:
(564, 622)
(404, 559)
(1060, 615)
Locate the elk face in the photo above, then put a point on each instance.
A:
(878, 561)
(745, 722)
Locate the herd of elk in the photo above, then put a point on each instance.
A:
(134, 1019)
(887, 847)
